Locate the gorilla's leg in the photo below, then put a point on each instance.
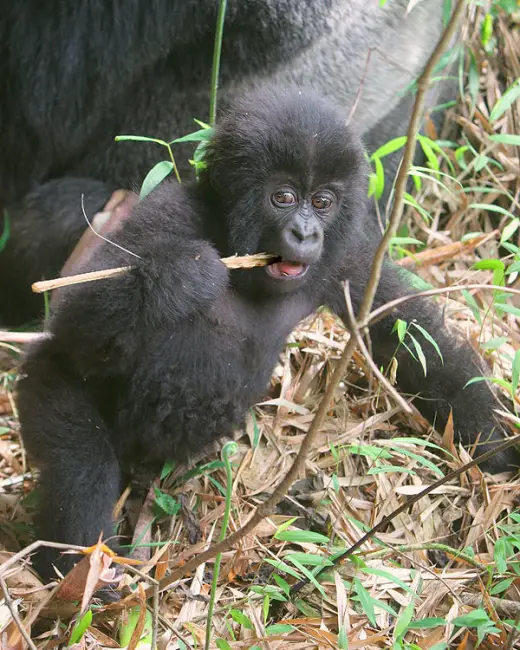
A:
(44, 228)
(443, 388)
(69, 442)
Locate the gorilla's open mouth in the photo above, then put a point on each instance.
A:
(287, 270)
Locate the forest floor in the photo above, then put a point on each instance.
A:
(444, 573)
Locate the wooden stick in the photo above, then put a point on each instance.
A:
(47, 285)
(234, 262)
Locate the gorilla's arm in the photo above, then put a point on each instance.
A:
(176, 272)
(443, 388)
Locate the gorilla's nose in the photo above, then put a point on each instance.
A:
(302, 241)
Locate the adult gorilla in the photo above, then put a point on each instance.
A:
(75, 74)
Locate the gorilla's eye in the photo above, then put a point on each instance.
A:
(321, 202)
(283, 198)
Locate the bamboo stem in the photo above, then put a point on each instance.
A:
(234, 262)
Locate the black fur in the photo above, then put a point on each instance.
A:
(43, 233)
(158, 363)
(76, 74)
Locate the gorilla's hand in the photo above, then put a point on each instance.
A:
(179, 280)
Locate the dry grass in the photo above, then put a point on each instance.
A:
(342, 492)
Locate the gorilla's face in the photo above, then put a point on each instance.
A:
(288, 176)
(295, 218)
(290, 218)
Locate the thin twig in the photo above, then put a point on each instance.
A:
(80, 278)
(14, 614)
(268, 506)
(360, 87)
(233, 262)
(385, 309)
(34, 547)
(368, 357)
(20, 337)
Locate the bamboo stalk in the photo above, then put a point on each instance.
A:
(234, 262)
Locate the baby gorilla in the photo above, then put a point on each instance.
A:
(162, 361)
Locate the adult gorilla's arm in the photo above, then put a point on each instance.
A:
(443, 387)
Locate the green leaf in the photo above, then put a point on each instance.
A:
(446, 13)
(310, 559)
(406, 240)
(309, 575)
(414, 280)
(420, 353)
(203, 125)
(472, 304)
(494, 380)
(139, 138)
(370, 451)
(256, 430)
(167, 469)
(285, 525)
(388, 576)
(485, 265)
(412, 202)
(126, 630)
(80, 627)
(516, 371)
(510, 309)
(400, 326)
(501, 586)
(240, 618)
(302, 536)
(509, 230)
(507, 99)
(278, 629)
(490, 207)
(514, 267)
(342, 638)
(486, 30)
(166, 503)
(429, 339)
(404, 620)
(284, 586)
(415, 441)
(262, 591)
(222, 644)
(196, 136)
(279, 565)
(379, 182)
(366, 601)
(422, 461)
(155, 176)
(6, 232)
(476, 618)
(389, 147)
(506, 138)
(473, 79)
(427, 623)
(428, 152)
(501, 552)
(494, 344)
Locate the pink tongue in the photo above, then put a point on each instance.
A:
(290, 268)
